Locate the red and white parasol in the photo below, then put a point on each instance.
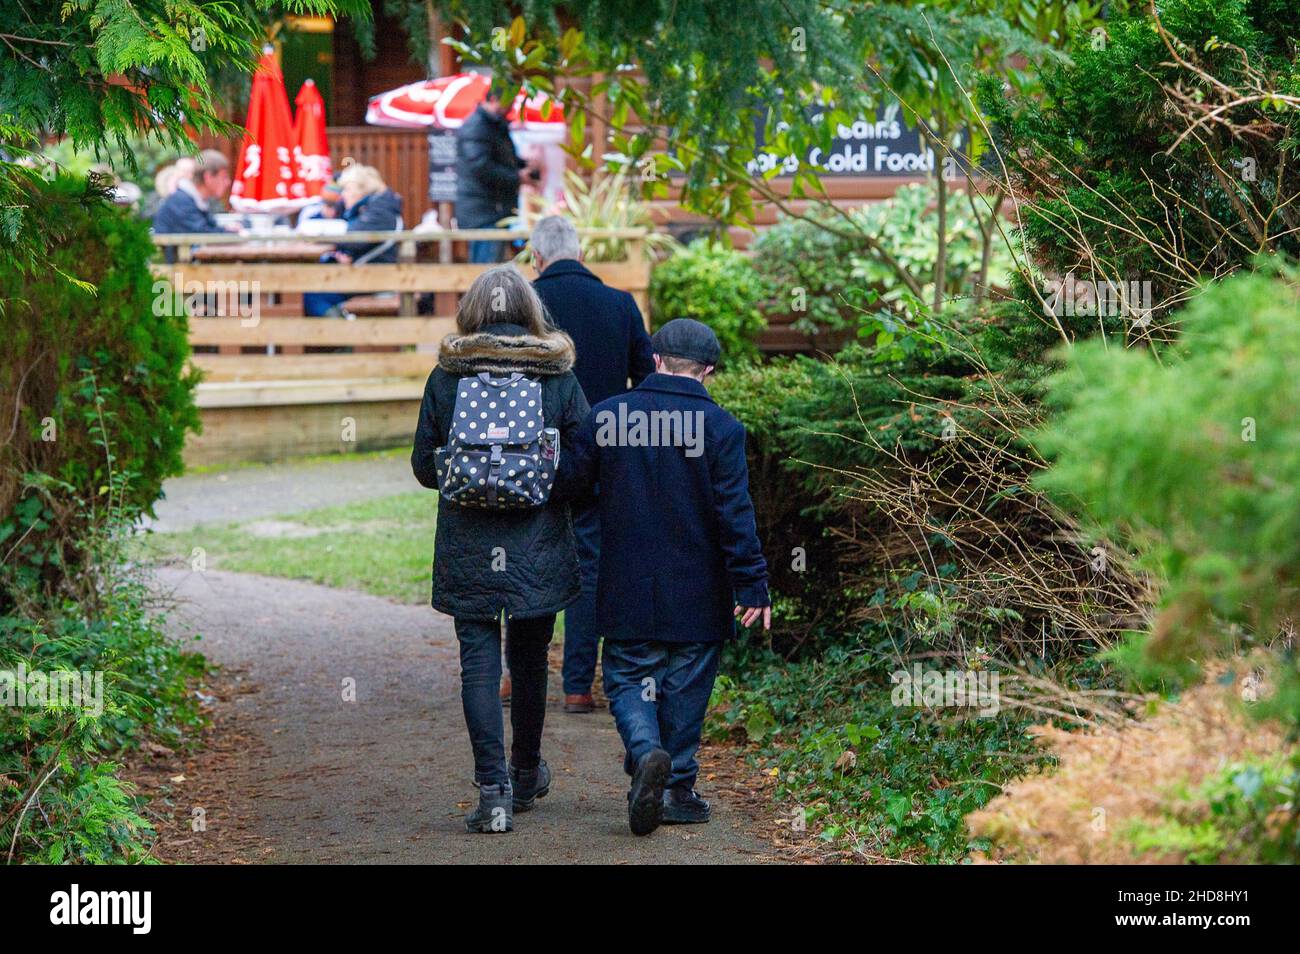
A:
(446, 102)
(312, 151)
(266, 177)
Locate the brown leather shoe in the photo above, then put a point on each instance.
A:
(506, 689)
(579, 704)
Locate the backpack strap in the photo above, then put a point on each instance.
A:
(494, 474)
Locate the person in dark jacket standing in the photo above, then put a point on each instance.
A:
(680, 561)
(488, 174)
(520, 563)
(368, 206)
(613, 348)
(188, 209)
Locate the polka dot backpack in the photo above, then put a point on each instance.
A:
(500, 455)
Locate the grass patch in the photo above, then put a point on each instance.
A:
(304, 461)
(382, 546)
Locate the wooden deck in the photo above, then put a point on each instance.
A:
(277, 384)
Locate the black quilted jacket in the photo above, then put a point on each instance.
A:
(523, 562)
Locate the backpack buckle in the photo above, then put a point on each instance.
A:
(494, 474)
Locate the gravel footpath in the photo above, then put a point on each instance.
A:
(294, 772)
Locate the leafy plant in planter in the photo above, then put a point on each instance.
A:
(607, 201)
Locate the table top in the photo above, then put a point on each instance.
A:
(254, 251)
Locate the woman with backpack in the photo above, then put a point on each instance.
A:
(498, 410)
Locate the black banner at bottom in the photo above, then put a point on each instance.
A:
(138, 905)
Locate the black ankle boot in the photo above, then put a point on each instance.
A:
(530, 785)
(495, 812)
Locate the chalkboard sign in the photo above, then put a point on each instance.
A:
(442, 165)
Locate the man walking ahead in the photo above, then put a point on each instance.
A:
(612, 345)
(680, 560)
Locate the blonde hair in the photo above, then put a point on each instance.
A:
(366, 179)
(502, 295)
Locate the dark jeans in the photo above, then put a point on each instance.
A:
(658, 693)
(580, 639)
(316, 304)
(480, 676)
(487, 253)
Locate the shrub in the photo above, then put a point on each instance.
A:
(1193, 459)
(784, 498)
(717, 286)
(858, 773)
(1243, 815)
(1155, 792)
(81, 361)
(845, 286)
(60, 797)
(97, 400)
(1110, 185)
(898, 488)
(605, 201)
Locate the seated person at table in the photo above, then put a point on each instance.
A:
(188, 208)
(325, 207)
(368, 206)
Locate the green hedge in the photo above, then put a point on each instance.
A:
(717, 286)
(80, 362)
(93, 383)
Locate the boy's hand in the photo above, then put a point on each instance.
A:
(748, 615)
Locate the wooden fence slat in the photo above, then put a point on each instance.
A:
(225, 394)
(262, 278)
(320, 331)
(245, 368)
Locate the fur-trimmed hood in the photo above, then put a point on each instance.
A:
(504, 349)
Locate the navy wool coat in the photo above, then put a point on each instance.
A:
(377, 212)
(180, 214)
(606, 327)
(679, 546)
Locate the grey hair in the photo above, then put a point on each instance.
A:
(555, 238)
(208, 161)
(502, 295)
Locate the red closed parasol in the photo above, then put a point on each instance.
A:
(312, 152)
(266, 178)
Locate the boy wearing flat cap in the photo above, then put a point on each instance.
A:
(680, 562)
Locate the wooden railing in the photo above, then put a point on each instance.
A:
(260, 353)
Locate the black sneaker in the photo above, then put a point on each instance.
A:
(530, 785)
(645, 802)
(494, 814)
(683, 807)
